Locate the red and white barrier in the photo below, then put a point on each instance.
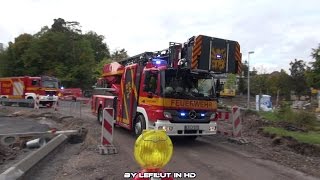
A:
(37, 102)
(107, 131)
(237, 123)
(224, 123)
(107, 127)
(229, 123)
(55, 105)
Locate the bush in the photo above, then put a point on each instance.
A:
(298, 118)
(285, 114)
(305, 119)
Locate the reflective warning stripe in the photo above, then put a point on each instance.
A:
(237, 125)
(238, 57)
(107, 126)
(196, 52)
(17, 88)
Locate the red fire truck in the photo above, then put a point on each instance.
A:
(173, 89)
(74, 94)
(27, 87)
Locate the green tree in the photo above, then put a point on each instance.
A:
(14, 53)
(259, 84)
(242, 87)
(279, 82)
(118, 55)
(99, 67)
(3, 63)
(100, 49)
(298, 70)
(313, 72)
(231, 81)
(60, 50)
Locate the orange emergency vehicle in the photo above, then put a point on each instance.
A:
(173, 89)
(27, 87)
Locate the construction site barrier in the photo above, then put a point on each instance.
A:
(107, 131)
(3, 101)
(229, 123)
(74, 108)
(237, 121)
(37, 102)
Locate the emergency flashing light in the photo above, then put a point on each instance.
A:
(159, 62)
(153, 149)
(202, 114)
(182, 114)
(218, 56)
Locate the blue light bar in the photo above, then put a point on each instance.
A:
(202, 114)
(182, 114)
(159, 62)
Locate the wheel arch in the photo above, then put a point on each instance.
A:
(30, 95)
(142, 111)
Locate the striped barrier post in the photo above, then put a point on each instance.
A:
(106, 146)
(55, 105)
(230, 124)
(224, 123)
(237, 124)
(36, 102)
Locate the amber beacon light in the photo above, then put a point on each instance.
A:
(153, 150)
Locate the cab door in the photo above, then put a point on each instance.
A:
(128, 96)
(150, 98)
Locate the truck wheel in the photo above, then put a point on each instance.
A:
(100, 115)
(139, 125)
(31, 105)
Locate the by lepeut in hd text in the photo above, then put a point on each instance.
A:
(190, 175)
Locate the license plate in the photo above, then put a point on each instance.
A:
(191, 127)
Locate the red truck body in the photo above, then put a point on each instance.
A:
(74, 94)
(171, 89)
(27, 87)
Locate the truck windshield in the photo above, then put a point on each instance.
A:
(183, 84)
(50, 84)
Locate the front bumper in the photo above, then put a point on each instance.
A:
(187, 129)
(48, 98)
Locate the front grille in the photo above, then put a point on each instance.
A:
(178, 118)
(51, 93)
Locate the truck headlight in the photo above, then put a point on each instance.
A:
(167, 114)
(212, 128)
(166, 128)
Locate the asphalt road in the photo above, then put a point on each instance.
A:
(209, 157)
(20, 125)
(213, 158)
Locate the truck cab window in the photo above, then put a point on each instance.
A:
(35, 83)
(150, 82)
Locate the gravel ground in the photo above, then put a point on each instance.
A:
(280, 153)
(211, 157)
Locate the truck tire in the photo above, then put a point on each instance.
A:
(3, 103)
(100, 115)
(139, 125)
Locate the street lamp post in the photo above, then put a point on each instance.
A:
(248, 103)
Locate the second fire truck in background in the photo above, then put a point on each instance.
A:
(27, 87)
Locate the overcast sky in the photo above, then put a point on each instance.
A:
(278, 31)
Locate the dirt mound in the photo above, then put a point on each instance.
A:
(6, 153)
(301, 148)
(305, 149)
